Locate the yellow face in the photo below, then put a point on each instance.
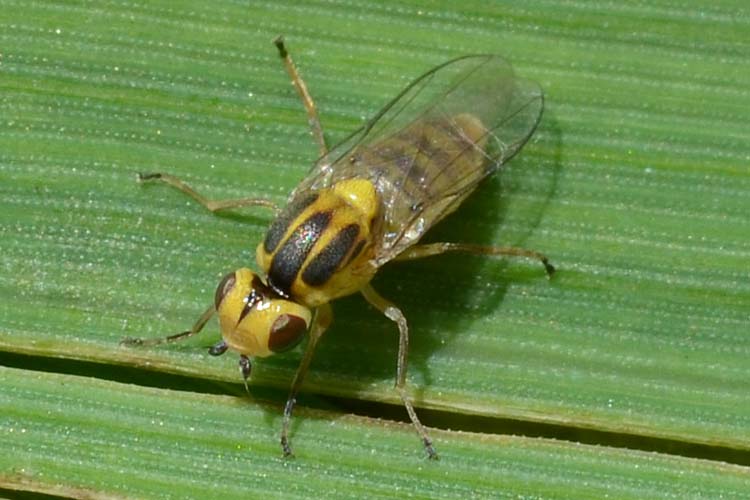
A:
(255, 320)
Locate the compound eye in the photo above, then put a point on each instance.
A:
(225, 286)
(286, 332)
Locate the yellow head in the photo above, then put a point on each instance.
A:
(255, 320)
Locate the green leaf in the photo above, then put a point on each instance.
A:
(73, 436)
(635, 185)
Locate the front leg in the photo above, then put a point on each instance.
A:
(394, 314)
(321, 322)
(195, 330)
(212, 205)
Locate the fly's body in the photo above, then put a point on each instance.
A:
(320, 247)
(368, 201)
(329, 243)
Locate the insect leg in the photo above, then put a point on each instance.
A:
(197, 327)
(212, 205)
(429, 249)
(323, 319)
(307, 101)
(394, 314)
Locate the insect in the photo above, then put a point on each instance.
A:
(365, 202)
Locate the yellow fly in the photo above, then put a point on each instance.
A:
(365, 202)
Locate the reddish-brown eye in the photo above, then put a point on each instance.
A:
(226, 284)
(286, 332)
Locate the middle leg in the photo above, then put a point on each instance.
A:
(394, 314)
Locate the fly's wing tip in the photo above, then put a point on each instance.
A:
(507, 137)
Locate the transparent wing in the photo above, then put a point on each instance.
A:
(430, 146)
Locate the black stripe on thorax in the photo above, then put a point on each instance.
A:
(324, 264)
(288, 260)
(281, 223)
